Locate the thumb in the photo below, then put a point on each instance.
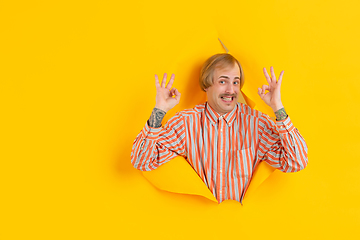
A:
(177, 95)
(260, 93)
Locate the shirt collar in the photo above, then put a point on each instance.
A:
(214, 116)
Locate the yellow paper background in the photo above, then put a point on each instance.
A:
(77, 85)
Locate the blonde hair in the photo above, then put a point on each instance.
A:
(220, 60)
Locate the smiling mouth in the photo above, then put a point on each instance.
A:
(227, 99)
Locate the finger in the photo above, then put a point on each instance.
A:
(164, 80)
(177, 95)
(157, 84)
(266, 75)
(273, 77)
(280, 78)
(169, 85)
(264, 88)
(172, 92)
(260, 92)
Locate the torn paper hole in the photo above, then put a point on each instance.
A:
(177, 175)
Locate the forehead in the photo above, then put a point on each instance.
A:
(228, 70)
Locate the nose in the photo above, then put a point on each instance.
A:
(230, 89)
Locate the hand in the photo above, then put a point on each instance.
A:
(166, 97)
(272, 98)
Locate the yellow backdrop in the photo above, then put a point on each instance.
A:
(77, 85)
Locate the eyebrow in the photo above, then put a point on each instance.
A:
(228, 77)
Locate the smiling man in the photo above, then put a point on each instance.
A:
(222, 139)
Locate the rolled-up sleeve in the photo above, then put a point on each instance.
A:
(156, 146)
(281, 145)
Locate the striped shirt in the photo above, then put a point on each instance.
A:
(223, 150)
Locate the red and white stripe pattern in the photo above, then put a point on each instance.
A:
(223, 150)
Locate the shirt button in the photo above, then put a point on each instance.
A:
(220, 191)
(220, 170)
(221, 151)
(221, 130)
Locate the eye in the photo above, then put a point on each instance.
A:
(236, 83)
(221, 81)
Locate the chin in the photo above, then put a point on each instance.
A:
(228, 109)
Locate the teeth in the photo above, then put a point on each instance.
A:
(227, 98)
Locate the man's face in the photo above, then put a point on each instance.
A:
(223, 94)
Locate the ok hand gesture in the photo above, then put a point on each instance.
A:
(272, 98)
(166, 97)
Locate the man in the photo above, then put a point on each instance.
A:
(222, 139)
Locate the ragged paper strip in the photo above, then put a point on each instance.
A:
(177, 175)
